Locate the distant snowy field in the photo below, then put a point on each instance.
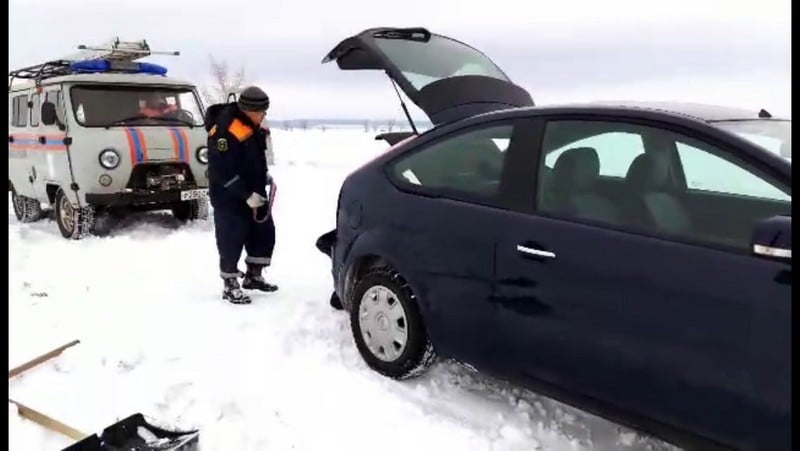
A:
(281, 373)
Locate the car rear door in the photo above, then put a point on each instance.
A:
(631, 319)
(447, 79)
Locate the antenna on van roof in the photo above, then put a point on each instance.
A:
(117, 50)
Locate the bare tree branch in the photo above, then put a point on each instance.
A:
(223, 82)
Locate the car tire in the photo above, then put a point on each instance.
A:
(26, 209)
(191, 210)
(382, 299)
(73, 223)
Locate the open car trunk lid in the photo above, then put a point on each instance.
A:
(445, 78)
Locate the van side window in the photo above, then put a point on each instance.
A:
(35, 110)
(20, 111)
(60, 110)
(23, 111)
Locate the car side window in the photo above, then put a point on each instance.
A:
(469, 163)
(584, 165)
(722, 200)
(615, 150)
(707, 172)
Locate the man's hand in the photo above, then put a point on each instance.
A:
(256, 200)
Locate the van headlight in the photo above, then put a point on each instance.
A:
(109, 159)
(202, 154)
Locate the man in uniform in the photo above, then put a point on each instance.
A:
(155, 105)
(237, 171)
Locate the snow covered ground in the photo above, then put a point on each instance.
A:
(281, 373)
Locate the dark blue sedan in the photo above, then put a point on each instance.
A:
(633, 260)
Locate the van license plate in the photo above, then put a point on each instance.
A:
(193, 194)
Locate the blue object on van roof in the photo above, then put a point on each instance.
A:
(104, 65)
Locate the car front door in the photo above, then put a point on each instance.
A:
(443, 221)
(617, 294)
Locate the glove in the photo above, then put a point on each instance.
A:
(255, 200)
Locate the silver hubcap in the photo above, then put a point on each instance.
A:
(67, 214)
(383, 323)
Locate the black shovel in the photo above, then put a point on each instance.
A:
(136, 434)
(131, 434)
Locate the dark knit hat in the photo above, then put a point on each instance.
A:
(253, 98)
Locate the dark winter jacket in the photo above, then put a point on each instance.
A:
(237, 162)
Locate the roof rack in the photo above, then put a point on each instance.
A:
(40, 72)
(113, 56)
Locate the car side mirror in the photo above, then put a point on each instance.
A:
(49, 116)
(772, 238)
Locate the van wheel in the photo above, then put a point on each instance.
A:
(191, 210)
(387, 326)
(74, 223)
(26, 209)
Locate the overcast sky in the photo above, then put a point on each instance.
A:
(729, 52)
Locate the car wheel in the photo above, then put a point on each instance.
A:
(387, 326)
(26, 209)
(73, 223)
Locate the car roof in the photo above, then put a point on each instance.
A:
(698, 111)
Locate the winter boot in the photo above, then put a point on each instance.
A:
(233, 294)
(253, 280)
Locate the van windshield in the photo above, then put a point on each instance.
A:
(118, 106)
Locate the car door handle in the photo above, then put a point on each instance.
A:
(536, 252)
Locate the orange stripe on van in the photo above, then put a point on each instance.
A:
(131, 146)
(142, 142)
(176, 147)
(29, 141)
(54, 142)
(186, 152)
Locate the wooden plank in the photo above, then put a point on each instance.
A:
(48, 422)
(41, 359)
